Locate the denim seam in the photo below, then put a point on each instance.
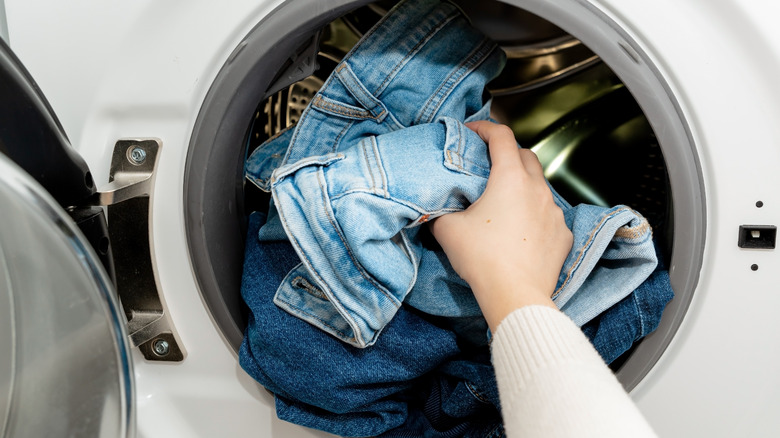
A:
(366, 37)
(368, 165)
(301, 311)
(494, 433)
(278, 134)
(640, 314)
(587, 244)
(359, 92)
(301, 283)
(338, 108)
(309, 266)
(466, 67)
(451, 16)
(478, 395)
(421, 211)
(633, 232)
(473, 163)
(380, 167)
(341, 134)
(339, 233)
(448, 151)
(304, 115)
(320, 161)
(260, 183)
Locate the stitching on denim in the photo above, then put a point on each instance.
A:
(473, 163)
(367, 36)
(461, 145)
(380, 166)
(309, 266)
(306, 261)
(632, 232)
(456, 76)
(359, 92)
(257, 182)
(340, 109)
(315, 160)
(341, 134)
(368, 164)
(477, 394)
(355, 263)
(303, 117)
(494, 433)
(451, 16)
(641, 318)
(301, 283)
(587, 244)
(278, 134)
(314, 316)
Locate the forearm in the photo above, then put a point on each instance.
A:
(553, 383)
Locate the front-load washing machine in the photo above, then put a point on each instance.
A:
(133, 328)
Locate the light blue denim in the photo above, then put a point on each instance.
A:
(381, 150)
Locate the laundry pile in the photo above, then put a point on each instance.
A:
(358, 324)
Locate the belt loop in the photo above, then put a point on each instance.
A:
(373, 105)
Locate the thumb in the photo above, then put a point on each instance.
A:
(501, 143)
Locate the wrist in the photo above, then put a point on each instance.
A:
(498, 301)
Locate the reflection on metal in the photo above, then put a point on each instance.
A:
(129, 178)
(127, 198)
(533, 66)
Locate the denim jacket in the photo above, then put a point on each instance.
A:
(382, 149)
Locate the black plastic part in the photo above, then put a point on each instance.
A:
(757, 236)
(129, 233)
(92, 223)
(32, 136)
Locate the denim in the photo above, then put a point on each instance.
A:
(420, 379)
(381, 150)
(617, 330)
(322, 383)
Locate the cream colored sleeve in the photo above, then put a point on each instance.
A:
(553, 383)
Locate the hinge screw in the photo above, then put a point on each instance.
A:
(137, 155)
(161, 347)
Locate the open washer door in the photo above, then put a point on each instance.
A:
(65, 368)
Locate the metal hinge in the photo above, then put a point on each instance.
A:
(127, 198)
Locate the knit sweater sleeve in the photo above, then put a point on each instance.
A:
(553, 383)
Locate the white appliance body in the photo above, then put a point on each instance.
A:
(143, 68)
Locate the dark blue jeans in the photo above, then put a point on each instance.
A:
(419, 380)
(416, 377)
(617, 330)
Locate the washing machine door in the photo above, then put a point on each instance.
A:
(65, 368)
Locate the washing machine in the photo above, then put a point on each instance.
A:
(126, 125)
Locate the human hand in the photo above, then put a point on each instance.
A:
(510, 245)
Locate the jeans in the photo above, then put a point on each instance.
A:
(617, 330)
(420, 379)
(382, 149)
(416, 376)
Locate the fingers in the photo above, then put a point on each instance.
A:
(501, 142)
(531, 163)
(503, 149)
